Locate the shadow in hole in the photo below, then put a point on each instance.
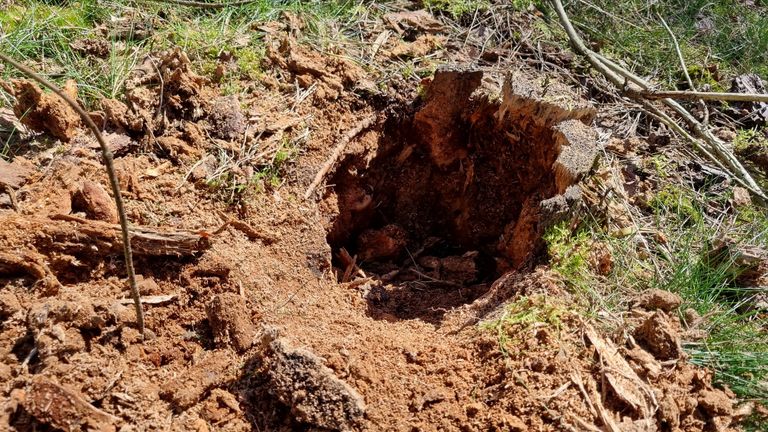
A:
(427, 301)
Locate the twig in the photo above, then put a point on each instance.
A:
(249, 231)
(362, 125)
(205, 5)
(680, 57)
(635, 88)
(107, 155)
(718, 96)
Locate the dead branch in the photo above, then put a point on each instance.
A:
(107, 155)
(716, 96)
(145, 241)
(205, 5)
(361, 125)
(635, 88)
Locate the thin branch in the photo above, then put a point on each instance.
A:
(678, 51)
(205, 5)
(680, 57)
(108, 162)
(718, 96)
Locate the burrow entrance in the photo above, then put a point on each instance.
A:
(459, 190)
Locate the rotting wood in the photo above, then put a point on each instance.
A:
(74, 235)
(144, 240)
(320, 176)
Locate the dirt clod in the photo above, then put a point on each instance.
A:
(227, 119)
(94, 200)
(385, 243)
(656, 299)
(92, 47)
(313, 392)
(13, 174)
(231, 322)
(9, 304)
(211, 370)
(669, 413)
(65, 409)
(45, 112)
(741, 197)
(715, 403)
(658, 335)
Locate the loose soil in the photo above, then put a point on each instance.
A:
(373, 305)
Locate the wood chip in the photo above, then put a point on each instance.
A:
(151, 300)
(620, 375)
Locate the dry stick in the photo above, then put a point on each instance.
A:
(680, 57)
(718, 96)
(623, 79)
(207, 5)
(107, 155)
(362, 125)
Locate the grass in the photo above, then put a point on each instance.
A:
(736, 341)
(40, 34)
(736, 346)
(717, 38)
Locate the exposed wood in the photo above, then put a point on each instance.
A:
(74, 235)
(320, 176)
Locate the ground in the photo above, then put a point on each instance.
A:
(402, 230)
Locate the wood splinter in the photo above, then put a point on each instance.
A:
(345, 139)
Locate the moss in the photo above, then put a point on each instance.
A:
(522, 314)
(660, 164)
(457, 8)
(249, 62)
(569, 254)
(678, 202)
(749, 137)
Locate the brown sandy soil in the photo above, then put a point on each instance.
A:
(369, 306)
